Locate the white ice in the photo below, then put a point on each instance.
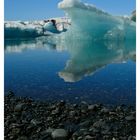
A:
(86, 22)
(19, 29)
(91, 22)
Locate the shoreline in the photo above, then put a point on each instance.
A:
(28, 119)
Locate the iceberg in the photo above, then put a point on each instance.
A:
(133, 16)
(92, 23)
(83, 21)
(21, 29)
(32, 29)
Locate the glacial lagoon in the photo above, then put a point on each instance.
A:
(79, 70)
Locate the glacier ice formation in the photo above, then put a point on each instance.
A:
(93, 23)
(32, 29)
(86, 21)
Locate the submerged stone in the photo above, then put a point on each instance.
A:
(59, 134)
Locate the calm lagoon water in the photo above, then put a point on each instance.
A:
(76, 71)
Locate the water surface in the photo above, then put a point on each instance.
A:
(102, 72)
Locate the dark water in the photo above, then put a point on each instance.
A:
(103, 72)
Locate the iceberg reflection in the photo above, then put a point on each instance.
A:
(86, 56)
(18, 46)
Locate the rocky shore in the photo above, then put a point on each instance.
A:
(28, 119)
